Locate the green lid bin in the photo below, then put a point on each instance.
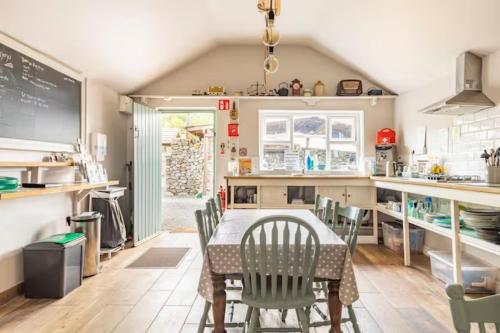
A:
(53, 266)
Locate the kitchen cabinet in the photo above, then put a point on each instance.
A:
(360, 196)
(336, 193)
(273, 196)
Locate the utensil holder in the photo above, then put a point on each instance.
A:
(493, 174)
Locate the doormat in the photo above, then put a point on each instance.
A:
(160, 257)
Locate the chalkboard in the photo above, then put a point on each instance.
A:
(37, 102)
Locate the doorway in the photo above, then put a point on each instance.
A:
(188, 166)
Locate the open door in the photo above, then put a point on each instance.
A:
(147, 173)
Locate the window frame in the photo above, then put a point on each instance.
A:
(357, 115)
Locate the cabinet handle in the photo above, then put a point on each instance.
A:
(348, 195)
(343, 194)
(284, 194)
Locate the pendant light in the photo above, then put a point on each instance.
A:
(270, 35)
(271, 63)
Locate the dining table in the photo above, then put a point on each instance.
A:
(222, 259)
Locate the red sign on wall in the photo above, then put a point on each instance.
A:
(232, 130)
(223, 104)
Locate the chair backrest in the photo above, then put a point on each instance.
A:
(205, 226)
(480, 311)
(291, 261)
(323, 208)
(212, 207)
(352, 216)
(218, 199)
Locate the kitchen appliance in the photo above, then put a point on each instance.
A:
(384, 154)
(469, 97)
(349, 88)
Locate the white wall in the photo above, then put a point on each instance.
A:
(26, 220)
(236, 67)
(477, 131)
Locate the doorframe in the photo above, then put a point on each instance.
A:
(200, 109)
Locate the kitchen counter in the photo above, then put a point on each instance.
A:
(472, 187)
(312, 176)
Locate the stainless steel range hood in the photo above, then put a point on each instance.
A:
(469, 97)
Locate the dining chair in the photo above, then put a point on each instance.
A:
(279, 277)
(218, 199)
(353, 217)
(323, 208)
(212, 206)
(206, 228)
(480, 311)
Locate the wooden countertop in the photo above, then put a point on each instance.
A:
(484, 188)
(298, 177)
(32, 192)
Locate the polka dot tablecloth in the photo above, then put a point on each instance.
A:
(223, 251)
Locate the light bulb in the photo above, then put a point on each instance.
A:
(270, 36)
(271, 64)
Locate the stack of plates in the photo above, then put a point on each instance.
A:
(480, 218)
(484, 221)
(429, 217)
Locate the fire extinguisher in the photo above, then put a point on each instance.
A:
(222, 193)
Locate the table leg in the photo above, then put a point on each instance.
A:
(219, 304)
(334, 306)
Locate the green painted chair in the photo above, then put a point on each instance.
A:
(279, 281)
(206, 228)
(351, 216)
(323, 208)
(218, 199)
(480, 311)
(214, 211)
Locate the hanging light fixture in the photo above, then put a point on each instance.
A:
(270, 36)
(271, 63)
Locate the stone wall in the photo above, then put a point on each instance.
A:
(184, 165)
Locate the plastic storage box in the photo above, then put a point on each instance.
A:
(478, 277)
(393, 237)
(54, 266)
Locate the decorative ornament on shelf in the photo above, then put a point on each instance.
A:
(296, 86)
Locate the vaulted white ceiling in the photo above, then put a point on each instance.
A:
(127, 43)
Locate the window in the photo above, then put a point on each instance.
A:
(332, 139)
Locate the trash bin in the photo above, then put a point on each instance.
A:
(89, 224)
(53, 266)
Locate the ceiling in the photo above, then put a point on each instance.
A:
(127, 43)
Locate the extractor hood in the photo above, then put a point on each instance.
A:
(469, 97)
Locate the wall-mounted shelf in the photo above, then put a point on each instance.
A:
(309, 100)
(30, 164)
(34, 167)
(33, 192)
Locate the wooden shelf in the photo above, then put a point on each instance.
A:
(30, 164)
(206, 97)
(33, 192)
(381, 208)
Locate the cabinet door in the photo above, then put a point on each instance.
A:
(273, 196)
(361, 196)
(336, 193)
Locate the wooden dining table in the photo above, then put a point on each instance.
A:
(222, 259)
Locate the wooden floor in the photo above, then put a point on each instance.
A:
(393, 298)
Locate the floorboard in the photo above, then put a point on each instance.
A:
(393, 298)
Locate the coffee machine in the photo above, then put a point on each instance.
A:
(383, 154)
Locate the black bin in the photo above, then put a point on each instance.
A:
(53, 267)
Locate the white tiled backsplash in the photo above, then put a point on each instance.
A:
(468, 137)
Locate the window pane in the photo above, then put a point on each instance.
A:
(343, 157)
(342, 129)
(309, 125)
(276, 129)
(316, 146)
(274, 156)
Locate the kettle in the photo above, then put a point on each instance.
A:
(390, 168)
(282, 89)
